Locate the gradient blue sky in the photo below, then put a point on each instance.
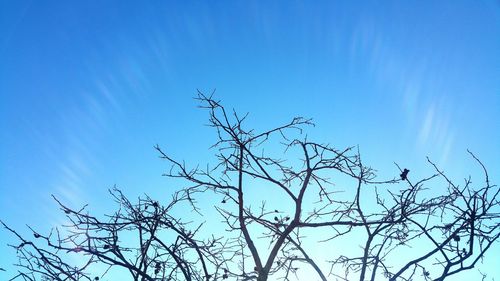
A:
(88, 87)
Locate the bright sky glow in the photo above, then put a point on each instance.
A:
(88, 88)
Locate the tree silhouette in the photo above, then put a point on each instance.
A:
(276, 212)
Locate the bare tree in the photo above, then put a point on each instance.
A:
(274, 202)
(142, 238)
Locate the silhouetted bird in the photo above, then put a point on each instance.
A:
(404, 174)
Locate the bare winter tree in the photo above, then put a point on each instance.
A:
(287, 204)
(142, 238)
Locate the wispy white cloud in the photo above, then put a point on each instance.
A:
(408, 76)
(426, 126)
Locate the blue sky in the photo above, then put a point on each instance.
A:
(87, 88)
